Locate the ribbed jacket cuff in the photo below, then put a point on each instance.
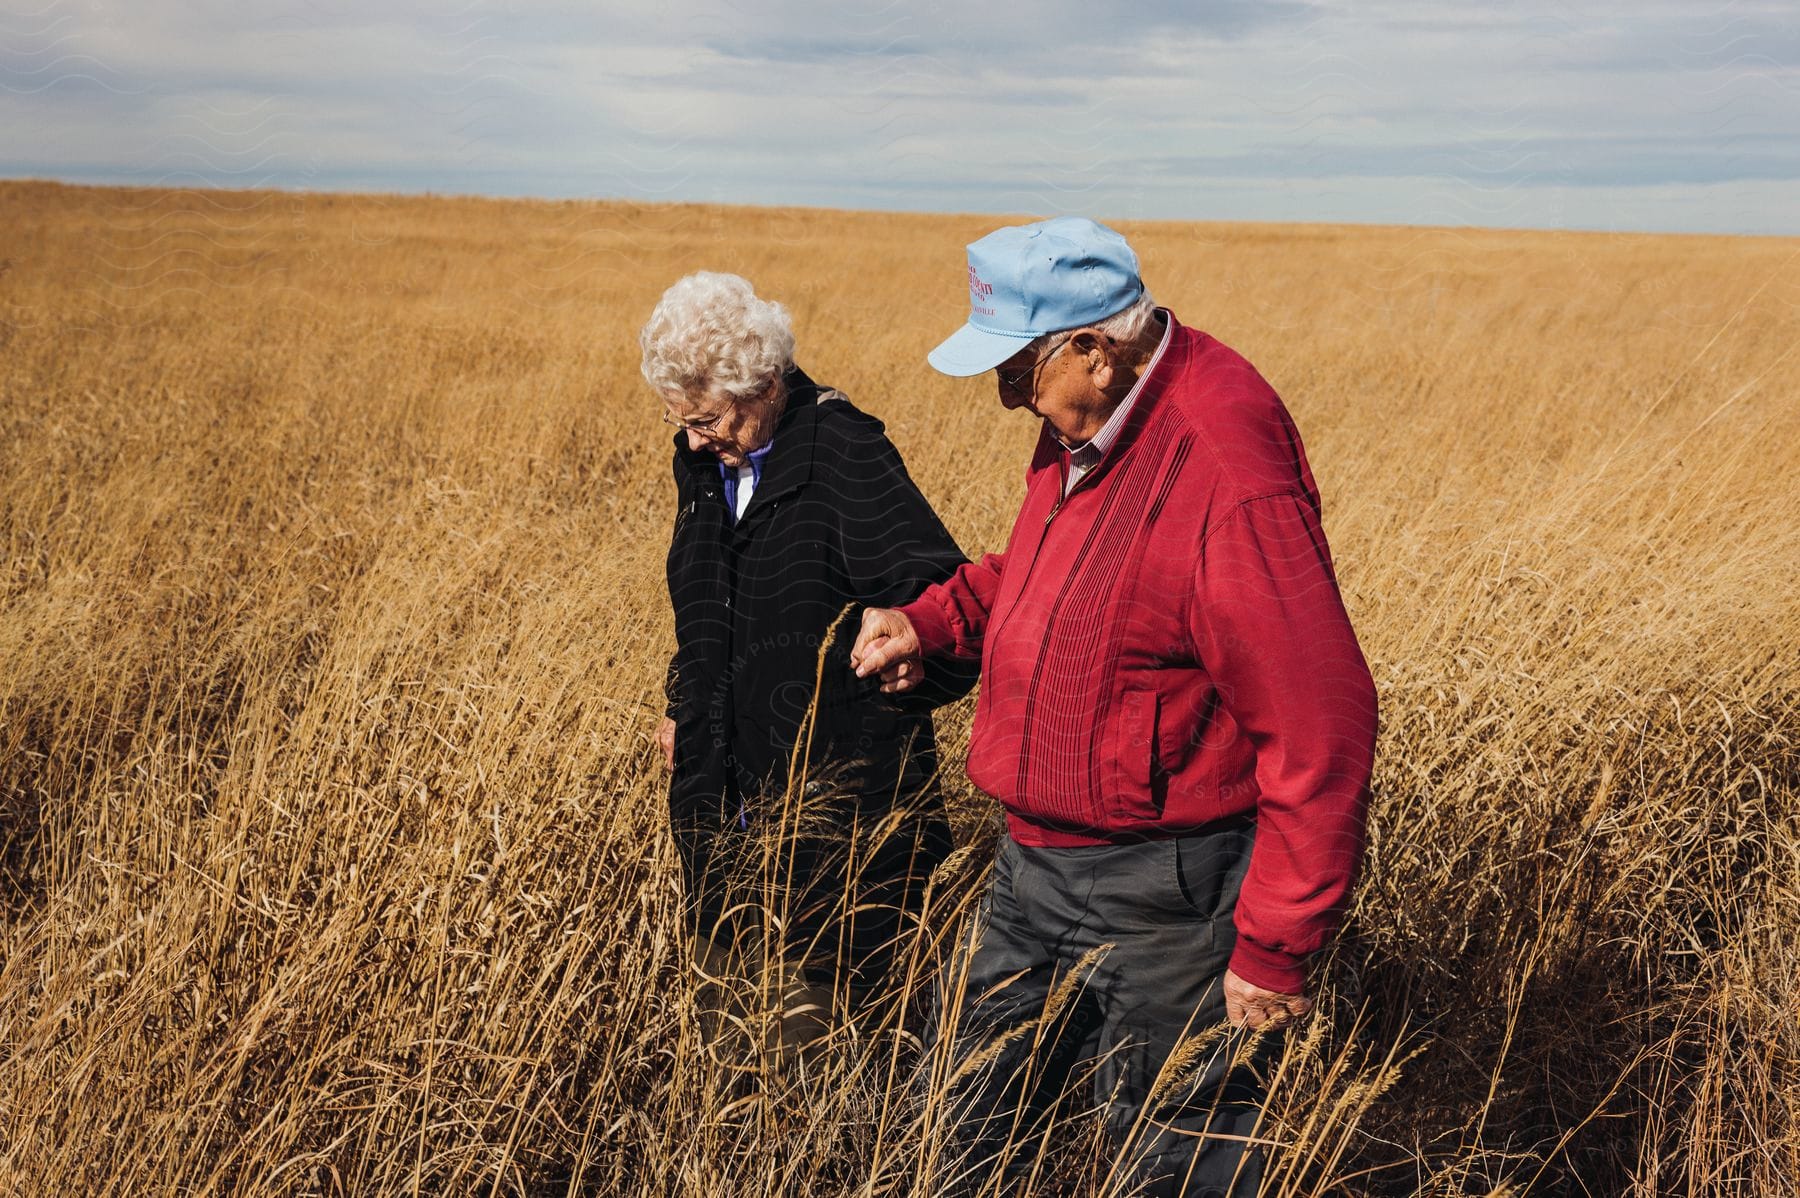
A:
(930, 625)
(1269, 968)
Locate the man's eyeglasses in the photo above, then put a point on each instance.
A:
(1019, 382)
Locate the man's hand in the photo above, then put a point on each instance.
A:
(887, 645)
(665, 740)
(1253, 1007)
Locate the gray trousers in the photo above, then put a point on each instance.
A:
(1148, 929)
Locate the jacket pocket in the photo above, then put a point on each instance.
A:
(1130, 767)
(987, 762)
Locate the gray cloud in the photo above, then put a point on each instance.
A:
(1653, 116)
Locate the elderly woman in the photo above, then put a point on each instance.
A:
(791, 506)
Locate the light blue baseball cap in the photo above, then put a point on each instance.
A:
(1028, 280)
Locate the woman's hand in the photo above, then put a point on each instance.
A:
(665, 740)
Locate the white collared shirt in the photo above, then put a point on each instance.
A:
(1084, 458)
(746, 486)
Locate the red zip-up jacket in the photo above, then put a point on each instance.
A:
(1166, 647)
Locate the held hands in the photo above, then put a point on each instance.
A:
(887, 645)
(1253, 1007)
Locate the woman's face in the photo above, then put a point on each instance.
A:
(730, 430)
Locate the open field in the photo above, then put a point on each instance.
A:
(332, 629)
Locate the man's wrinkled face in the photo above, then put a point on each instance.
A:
(1043, 382)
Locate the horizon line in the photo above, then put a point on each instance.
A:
(947, 214)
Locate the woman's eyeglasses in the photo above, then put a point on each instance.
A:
(705, 427)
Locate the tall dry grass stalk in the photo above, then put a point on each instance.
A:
(331, 629)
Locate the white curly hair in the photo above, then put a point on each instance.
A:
(710, 333)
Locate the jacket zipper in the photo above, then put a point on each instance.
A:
(1055, 605)
(1031, 565)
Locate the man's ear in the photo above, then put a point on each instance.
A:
(1085, 342)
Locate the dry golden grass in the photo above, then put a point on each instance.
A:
(332, 626)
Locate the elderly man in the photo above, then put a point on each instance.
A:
(1174, 713)
(803, 801)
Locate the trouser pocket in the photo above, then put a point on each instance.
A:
(1207, 868)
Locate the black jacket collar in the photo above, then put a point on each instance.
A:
(790, 461)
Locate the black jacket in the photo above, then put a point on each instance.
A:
(834, 523)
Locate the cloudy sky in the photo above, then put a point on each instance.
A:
(1655, 115)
